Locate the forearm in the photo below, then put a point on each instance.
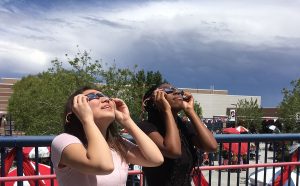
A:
(148, 149)
(172, 141)
(204, 138)
(98, 152)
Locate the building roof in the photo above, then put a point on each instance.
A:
(205, 91)
(270, 112)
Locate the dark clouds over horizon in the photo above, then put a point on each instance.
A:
(249, 48)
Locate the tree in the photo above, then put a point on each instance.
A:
(130, 85)
(249, 114)
(198, 109)
(38, 100)
(37, 103)
(289, 108)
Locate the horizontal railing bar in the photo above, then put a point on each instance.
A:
(136, 172)
(247, 166)
(25, 141)
(12, 141)
(50, 176)
(256, 137)
(25, 178)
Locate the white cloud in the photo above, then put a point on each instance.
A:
(203, 37)
(57, 31)
(19, 59)
(251, 22)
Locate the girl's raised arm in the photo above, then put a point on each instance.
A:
(146, 153)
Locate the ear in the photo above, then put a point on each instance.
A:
(145, 104)
(148, 104)
(68, 118)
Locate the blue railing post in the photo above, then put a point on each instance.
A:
(2, 163)
(19, 164)
(36, 160)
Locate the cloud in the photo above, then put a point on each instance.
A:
(107, 22)
(20, 60)
(240, 68)
(246, 47)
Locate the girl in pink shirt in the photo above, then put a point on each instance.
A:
(91, 152)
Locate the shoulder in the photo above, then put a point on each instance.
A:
(65, 138)
(59, 143)
(147, 127)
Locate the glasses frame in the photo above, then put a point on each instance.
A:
(172, 90)
(98, 95)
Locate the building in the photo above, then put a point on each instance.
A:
(6, 90)
(270, 114)
(215, 103)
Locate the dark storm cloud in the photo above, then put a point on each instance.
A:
(107, 22)
(242, 69)
(195, 44)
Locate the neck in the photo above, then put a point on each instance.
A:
(175, 112)
(103, 129)
(104, 133)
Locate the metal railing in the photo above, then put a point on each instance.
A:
(231, 172)
(263, 156)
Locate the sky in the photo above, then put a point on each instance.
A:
(246, 47)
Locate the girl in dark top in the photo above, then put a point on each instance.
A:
(175, 139)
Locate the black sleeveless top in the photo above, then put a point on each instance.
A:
(173, 172)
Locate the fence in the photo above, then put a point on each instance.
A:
(225, 167)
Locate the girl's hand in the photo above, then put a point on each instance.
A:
(160, 100)
(121, 111)
(188, 102)
(82, 109)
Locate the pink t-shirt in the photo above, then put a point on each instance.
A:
(68, 176)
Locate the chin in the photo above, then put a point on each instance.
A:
(106, 118)
(178, 106)
(177, 109)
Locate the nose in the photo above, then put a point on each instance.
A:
(177, 91)
(105, 99)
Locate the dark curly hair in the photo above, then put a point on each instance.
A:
(153, 115)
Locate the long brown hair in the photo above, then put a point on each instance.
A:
(73, 126)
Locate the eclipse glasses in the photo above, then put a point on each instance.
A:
(98, 95)
(172, 90)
